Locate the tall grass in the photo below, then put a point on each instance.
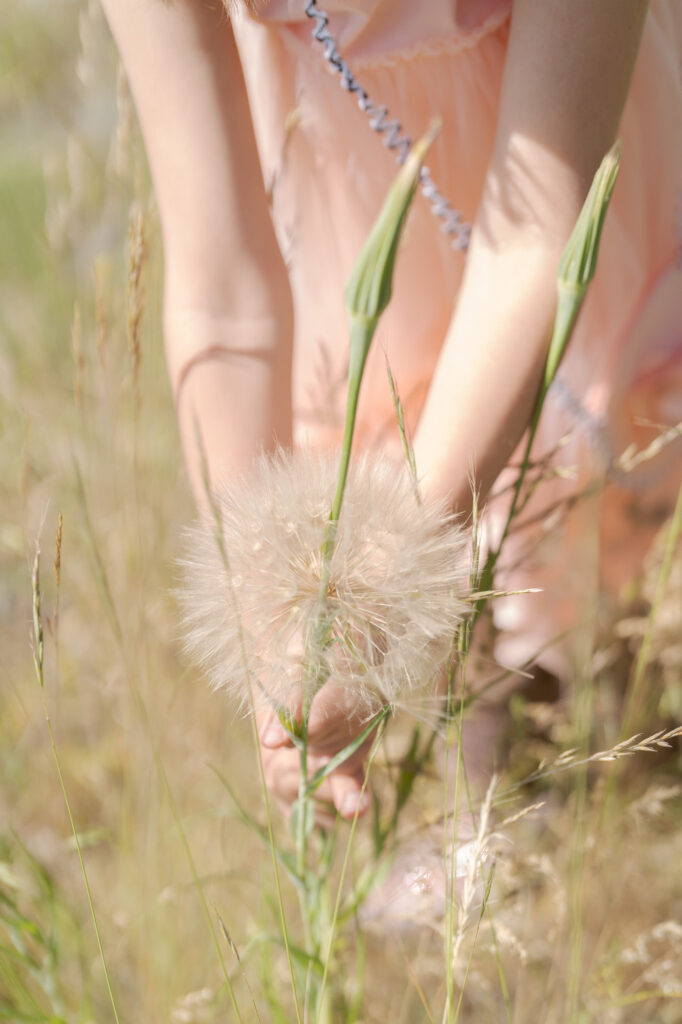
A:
(90, 433)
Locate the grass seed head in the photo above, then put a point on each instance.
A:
(396, 587)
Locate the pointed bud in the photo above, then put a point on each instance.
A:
(369, 287)
(579, 261)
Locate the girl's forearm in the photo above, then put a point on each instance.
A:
(232, 389)
(227, 307)
(566, 78)
(487, 379)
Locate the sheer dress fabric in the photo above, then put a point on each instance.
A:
(327, 174)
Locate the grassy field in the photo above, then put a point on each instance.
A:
(581, 918)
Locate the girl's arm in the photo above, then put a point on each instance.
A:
(567, 74)
(227, 303)
(227, 306)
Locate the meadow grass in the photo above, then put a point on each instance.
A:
(573, 914)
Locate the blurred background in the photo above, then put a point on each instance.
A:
(87, 433)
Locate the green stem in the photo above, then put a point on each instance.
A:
(38, 661)
(316, 674)
(346, 860)
(576, 269)
(367, 294)
(570, 300)
(361, 333)
(303, 797)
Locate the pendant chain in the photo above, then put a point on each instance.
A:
(390, 129)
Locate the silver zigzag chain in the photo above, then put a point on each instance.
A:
(453, 225)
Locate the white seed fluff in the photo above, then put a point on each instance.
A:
(396, 591)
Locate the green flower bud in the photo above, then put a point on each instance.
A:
(579, 261)
(369, 287)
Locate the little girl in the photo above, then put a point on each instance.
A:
(268, 177)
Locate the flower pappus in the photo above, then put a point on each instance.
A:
(396, 587)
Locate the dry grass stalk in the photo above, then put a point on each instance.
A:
(101, 318)
(120, 159)
(136, 259)
(653, 803)
(58, 578)
(38, 646)
(632, 457)
(569, 759)
(77, 352)
(58, 550)
(658, 955)
(663, 630)
(476, 851)
(90, 36)
(194, 1008)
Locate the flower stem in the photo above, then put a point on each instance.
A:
(317, 671)
(576, 269)
(361, 332)
(367, 295)
(38, 661)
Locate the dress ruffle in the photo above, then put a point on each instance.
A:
(374, 32)
(450, 45)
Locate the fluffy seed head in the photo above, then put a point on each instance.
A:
(396, 590)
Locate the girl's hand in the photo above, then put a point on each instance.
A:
(334, 722)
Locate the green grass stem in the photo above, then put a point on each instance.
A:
(577, 268)
(346, 859)
(38, 661)
(220, 541)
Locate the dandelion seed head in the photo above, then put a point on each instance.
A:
(396, 586)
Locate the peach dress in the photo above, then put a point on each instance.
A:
(327, 173)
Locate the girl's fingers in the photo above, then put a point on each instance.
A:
(341, 791)
(334, 722)
(270, 729)
(272, 733)
(333, 715)
(347, 795)
(336, 717)
(282, 770)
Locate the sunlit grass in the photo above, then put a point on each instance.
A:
(116, 476)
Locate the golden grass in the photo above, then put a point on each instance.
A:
(136, 730)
